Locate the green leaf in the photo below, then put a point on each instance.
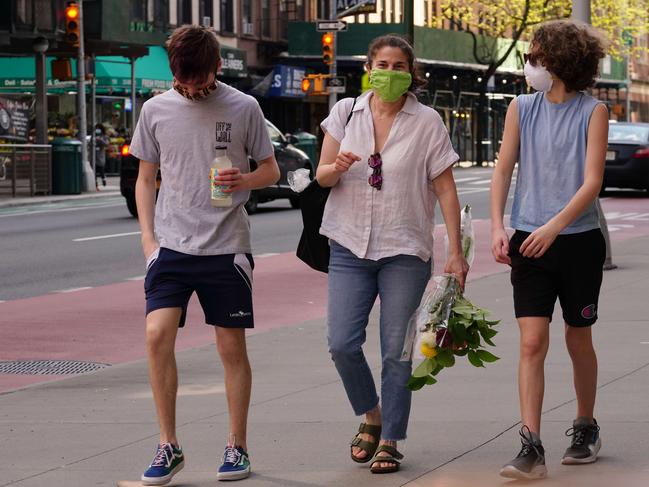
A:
(430, 380)
(425, 368)
(459, 334)
(416, 383)
(475, 359)
(461, 353)
(445, 358)
(437, 369)
(486, 356)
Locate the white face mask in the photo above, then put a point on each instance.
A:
(537, 77)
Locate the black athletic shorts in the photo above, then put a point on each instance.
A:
(571, 269)
(223, 284)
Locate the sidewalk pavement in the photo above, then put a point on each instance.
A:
(111, 189)
(100, 428)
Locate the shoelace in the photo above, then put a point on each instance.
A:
(579, 434)
(528, 442)
(231, 455)
(162, 458)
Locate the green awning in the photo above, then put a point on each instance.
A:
(113, 73)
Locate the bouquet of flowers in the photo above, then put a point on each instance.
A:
(447, 325)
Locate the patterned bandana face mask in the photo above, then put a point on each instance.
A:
(199, 95)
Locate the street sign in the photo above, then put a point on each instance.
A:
(337, 84)
(330, 25)
(353, 7)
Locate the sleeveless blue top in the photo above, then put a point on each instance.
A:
(551, 161)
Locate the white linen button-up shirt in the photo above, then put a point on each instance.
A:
(399, 218)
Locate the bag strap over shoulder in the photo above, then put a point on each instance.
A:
(351, 112)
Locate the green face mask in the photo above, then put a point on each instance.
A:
(389, 85)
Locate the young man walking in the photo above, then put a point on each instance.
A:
(189, 244)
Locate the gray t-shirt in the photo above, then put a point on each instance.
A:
(181, 135)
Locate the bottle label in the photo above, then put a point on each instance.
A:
(217, 190)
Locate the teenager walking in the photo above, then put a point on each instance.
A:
(558, 136)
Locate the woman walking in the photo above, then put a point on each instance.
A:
(388, 160)
(558, 135)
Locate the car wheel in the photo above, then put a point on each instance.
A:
(253, 203)
(131, 205)
(295, 202)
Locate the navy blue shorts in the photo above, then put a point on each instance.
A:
(223, 284)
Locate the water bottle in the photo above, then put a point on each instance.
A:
(221, 161)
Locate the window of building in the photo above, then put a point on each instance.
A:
(283, 19)
(246, 18)
(206, 13)
(23, 14)
(184, 12)
(227, 16)
(265, 18)
(160, 14)
(45, 17)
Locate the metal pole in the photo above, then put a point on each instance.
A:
(581, 11)
(88, 180)
(627, 110)
(333, 97)
(93, 122)
(41, 99)
(409, 21)
(133, 117)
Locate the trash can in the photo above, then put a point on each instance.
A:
(66, 166)
(308, 143)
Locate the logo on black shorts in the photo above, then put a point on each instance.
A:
(589, 312)
(240, 314)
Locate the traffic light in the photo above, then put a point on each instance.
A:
(72, 26)
(315, 84)
(328, 48)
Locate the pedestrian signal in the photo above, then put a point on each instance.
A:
(328, 48)
(72, 26)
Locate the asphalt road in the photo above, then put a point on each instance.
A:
(76, 244)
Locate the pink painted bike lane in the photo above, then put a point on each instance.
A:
(106, 324)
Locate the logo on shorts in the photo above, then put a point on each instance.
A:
(240, 314)
(589, 312)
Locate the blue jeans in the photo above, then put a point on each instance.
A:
(354, 284)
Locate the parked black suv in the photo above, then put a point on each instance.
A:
(289, 158)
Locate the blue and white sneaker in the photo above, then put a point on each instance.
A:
(236, 464)
(168, 461)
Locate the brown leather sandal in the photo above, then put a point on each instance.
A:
(393, 457)
(368, 447)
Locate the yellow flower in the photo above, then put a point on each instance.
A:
(427, 351)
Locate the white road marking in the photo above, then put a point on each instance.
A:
(644, 343)
(462, 180)
(484, 181)
(136, 278)
(72, 290)
(471, 190)
(6, 214)
(269, 254)
(99, 237)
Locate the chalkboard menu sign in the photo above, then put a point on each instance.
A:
(14, 119)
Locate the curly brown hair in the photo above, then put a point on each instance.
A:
(569, 50)
(393, 40)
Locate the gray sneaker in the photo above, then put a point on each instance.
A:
(585, 442)
(529, 464)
